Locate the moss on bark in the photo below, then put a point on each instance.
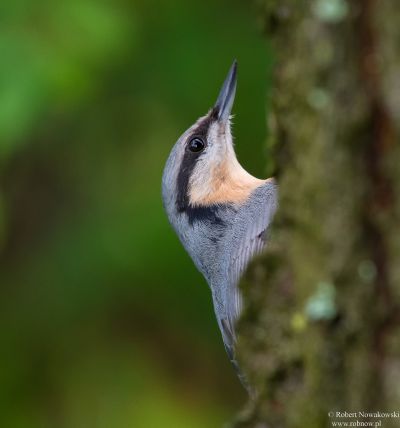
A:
(320, 328)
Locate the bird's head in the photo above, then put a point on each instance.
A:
(202, 169)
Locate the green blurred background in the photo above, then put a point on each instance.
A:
(104, 321)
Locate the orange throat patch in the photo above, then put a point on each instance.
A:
(226, 183)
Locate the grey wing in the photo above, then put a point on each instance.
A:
(248, 240)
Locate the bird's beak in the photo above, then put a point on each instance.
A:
(224, 103)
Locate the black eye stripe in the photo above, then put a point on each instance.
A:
(189, 161)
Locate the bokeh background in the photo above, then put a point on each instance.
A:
(104, 321)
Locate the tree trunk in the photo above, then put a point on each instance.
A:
(319, 333)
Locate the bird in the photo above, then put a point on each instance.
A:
(220, 212)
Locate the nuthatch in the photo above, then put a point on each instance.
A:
(219, 211)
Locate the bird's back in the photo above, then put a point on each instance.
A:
(247, 238)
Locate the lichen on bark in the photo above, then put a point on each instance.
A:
(320, 328)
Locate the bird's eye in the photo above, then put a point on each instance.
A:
(196, 145)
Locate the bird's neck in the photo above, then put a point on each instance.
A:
(225, 182)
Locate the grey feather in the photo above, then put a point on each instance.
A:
(248, 239)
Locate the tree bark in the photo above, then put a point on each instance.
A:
(319, 333)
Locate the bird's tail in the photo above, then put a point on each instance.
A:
(229, 339)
